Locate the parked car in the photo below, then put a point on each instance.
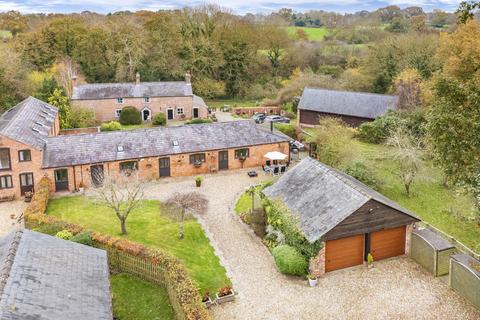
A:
(259, 117)
(297, 145)
(277, 119)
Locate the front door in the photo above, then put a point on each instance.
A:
(164, 164)
(222, 160)
(170, 114)
(61, 179)
(146, 114)
(96, 173)
(26, 183)
(195, 112)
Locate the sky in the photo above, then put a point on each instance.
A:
(237, 6)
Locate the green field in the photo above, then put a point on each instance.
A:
(446, 209)
(147, 225)
(136, 299)
(314, 34)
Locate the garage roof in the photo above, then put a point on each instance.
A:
(357, 104)
(323, 197)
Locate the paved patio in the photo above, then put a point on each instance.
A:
(9, 213)
(395, 289)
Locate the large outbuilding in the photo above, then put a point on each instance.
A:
(351, 219)
(353, 108)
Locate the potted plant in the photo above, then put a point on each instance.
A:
(312, 280)
(207, 301)
(81, 187)
(28, 196)
(225, 294)
(197, 164)
(369, 260)
(198, 181)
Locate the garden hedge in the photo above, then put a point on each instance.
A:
(289, 260)
(130, 115)
(159, 119)
(111, 126)
(183, 292)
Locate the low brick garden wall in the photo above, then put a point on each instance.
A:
(126, 256)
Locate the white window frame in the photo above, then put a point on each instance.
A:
(117, 113)
(178, 111)
(149, 116)
(120, 101)
(146, 99)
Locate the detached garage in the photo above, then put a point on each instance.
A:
(350, 218)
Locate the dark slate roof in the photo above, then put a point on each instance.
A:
(29, 122)
(198, 101)
(95, 91)
(101, 147)
(357, 104)
(55, 279)
(434, 239)
(468, 262)
(322, 197)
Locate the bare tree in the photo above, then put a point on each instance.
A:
(182, 205)
(122, 193)
(407, 155)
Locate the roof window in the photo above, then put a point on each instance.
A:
(175, 143)
(120, 148)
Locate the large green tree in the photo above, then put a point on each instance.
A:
(235, 70)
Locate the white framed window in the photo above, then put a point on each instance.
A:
(146, 99)
(120, 100)
(118, 112)
(179, 111)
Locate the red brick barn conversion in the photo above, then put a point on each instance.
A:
(353, 108)
(31, 148)
(350, 218)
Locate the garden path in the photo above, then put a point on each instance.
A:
(396, 288)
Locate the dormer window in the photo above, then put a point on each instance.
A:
(146, 99)
(120, 100)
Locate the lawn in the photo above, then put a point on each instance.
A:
(446, 209)
(148, 226)
(314, 34)
(136, 299)
(5, 34)
(233, 103)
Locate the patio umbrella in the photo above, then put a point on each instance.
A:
(275, 155)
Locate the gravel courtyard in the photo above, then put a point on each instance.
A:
(9, 213)
(395, 289)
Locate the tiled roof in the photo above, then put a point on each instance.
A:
(28, 122)
(94, 91)
(55, 279)
(198, 101)
(357, 104)
(323, 197)
(101, 147)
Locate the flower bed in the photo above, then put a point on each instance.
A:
(127, 256)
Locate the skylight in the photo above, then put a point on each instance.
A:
(175, 143)
(120, 148)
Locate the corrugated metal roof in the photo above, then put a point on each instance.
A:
(357, 104)
(95, 91)
(322, 197)
(29, 122)
(56, 279)
(101, 147)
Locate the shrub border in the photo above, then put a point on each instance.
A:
(182, 291)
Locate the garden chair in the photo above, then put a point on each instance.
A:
(283, 169)
(276, 171)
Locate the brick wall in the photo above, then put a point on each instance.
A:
(317, 264)
(105, 108)
(79, 131)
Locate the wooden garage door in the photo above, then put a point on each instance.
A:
(387, 243)
(344, 253)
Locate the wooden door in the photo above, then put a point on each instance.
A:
(26, 183)
(223, 160)
(344, 252)
(195, 112)
(164, 164)
(170, 114)
(61, 179)
(387, 243)
(96, 172)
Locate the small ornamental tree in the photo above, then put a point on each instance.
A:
(121, 193)
(130, 115)
(182, 205)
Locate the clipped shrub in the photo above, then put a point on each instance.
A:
(378, 130)
(362, 173)
(289, 261)
(159, 119)
(111, 126)
(83, 238)
(130, 115)
(50, 229)
(198, 121)
(64, 234)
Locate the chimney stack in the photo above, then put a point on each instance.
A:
(74, 81)
(137, 78)
(188, 78)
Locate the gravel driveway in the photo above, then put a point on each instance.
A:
(9, 213)
(395, 289)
